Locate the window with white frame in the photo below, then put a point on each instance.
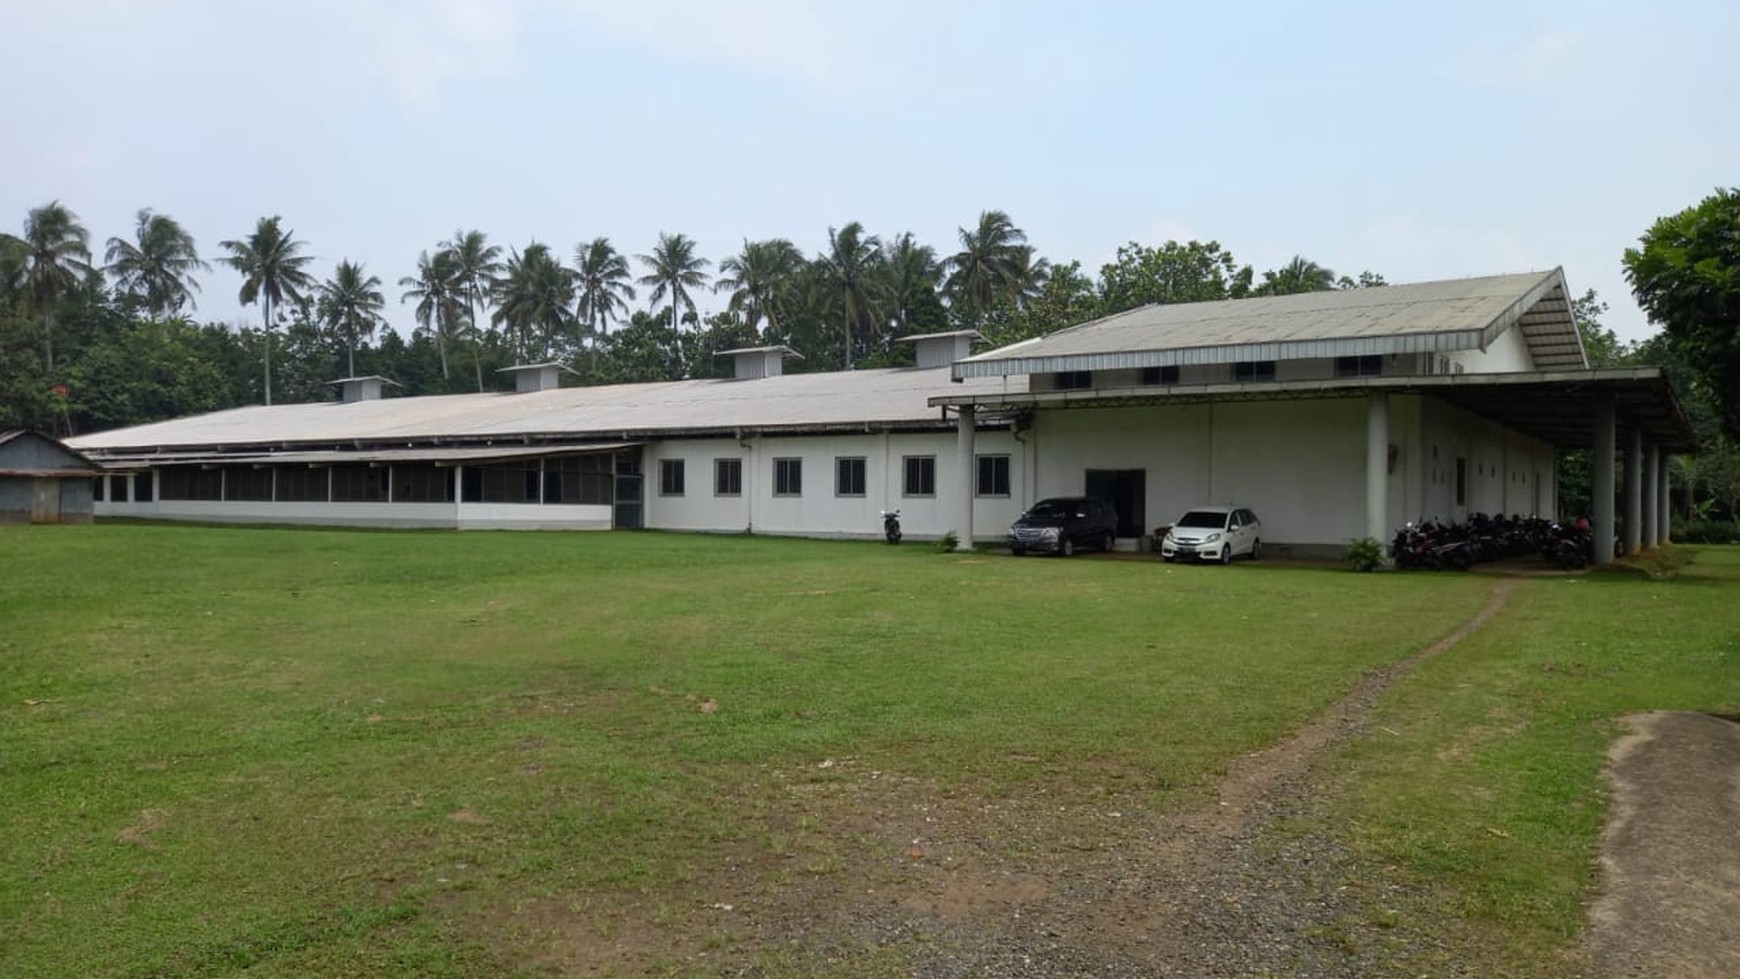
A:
(920, 476)
(727, 477)
(849, 475)
(993, 476)
(670, 477)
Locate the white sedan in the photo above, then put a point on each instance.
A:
(1214, 533)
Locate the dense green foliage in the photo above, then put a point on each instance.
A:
(1686, 276)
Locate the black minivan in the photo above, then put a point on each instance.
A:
(1062, 524)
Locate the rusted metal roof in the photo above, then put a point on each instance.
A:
(1455, 314)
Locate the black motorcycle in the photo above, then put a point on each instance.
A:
(891, 526)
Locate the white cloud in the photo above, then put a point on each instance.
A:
(794, 38)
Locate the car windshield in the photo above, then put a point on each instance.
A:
(1049, 513)
(1203, 518)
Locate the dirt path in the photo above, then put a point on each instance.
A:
(1670, 861)
(939, 886)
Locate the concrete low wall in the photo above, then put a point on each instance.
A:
(461, 516)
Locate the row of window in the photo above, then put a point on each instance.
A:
(918, 476)
(586, 480)
(1243, 371)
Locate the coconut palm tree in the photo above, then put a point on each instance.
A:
(912, 271)
(156, 270)
(350, 303)
(476, 263)
(675, 269)
(51, 261)
(990, 266)
(270, 262)
(533, 298)
(851, 281)
(440, 298)
(601, 283)
(1299, 275)
(759, 278)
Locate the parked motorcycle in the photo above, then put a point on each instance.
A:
(891, 526)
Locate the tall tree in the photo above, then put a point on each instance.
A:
(602, 289)
(675, 269)
(440, 296)
(51, 261)
(759, 277)
(912, 272)
(270, 261)
(993, 265)
(156, 269)
(532, 299)
(1299, 275)
(852, 282)
(350, 303)
(1685, 274)
(476, 263)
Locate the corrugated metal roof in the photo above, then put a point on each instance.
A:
(436, 454)
(1455, 314)
(835, 400)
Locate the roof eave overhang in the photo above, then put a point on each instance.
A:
(1401, 343)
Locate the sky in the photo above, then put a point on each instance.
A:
(1419, 141)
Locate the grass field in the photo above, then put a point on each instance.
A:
(303, 752)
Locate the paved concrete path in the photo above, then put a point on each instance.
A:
(1670, 894)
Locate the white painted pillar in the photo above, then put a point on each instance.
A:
(1663, 500)
(1651, 507)
(965, 422)
(1377, 466)
(1634, 491)
(1601, 482)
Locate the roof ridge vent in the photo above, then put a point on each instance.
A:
(366, 388)
(530, 378)
(758, 362)
(942, 349)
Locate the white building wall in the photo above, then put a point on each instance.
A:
(1299, 464)
(1505, 472)
(819, 511)
(1507, 352)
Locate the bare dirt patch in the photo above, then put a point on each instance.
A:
(1670, 903)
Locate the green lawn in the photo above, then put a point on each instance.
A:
(308, 752)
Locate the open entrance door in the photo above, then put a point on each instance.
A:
(1127, 489)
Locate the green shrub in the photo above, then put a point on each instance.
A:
(1706, 532)
(947, 542)
(1365, 554)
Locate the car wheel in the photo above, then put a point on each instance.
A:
(1226, 554)
(1256, 548)
(1107, 543)
(1066, 548)
(1168, 558)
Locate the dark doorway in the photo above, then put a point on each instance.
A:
(1127, 489)
(628, 485)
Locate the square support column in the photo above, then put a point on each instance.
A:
(965, 423)
(1651, 507)
(1601, 481)
(1377, 466)
(1664, 512)
(1634, 491)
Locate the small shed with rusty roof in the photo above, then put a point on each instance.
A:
(43, 481)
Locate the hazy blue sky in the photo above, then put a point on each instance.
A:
(1417, 140)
